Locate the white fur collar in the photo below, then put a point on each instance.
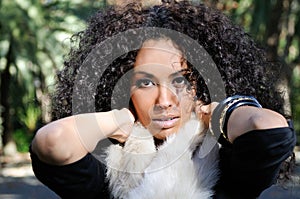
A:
(175, 170)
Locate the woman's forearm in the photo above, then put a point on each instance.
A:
(247, 118)
(69, 139)
(244, 119)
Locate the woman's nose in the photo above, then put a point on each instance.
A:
(166, 97)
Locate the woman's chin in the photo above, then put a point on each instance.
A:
(164, 133)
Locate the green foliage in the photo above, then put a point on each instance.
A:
(30, 116)
(38, 33)
(22, 139)
(295, 99)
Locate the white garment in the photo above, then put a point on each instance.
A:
(182, 167)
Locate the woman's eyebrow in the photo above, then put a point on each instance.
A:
(143, 73)
(181, 72)
(149, 75)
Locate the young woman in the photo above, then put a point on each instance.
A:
(161, 114)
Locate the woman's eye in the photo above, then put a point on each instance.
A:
(144, 83)
(179, 82)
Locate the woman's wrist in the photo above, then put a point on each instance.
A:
(220, 116)
(94, 127)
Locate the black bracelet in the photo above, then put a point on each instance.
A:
(224, 109)
(247, 102)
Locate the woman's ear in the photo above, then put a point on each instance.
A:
(198, 104)
(192, 95)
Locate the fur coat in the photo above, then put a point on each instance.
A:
(184, 166)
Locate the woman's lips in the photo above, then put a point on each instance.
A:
(165, 123)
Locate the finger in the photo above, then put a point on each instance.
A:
(213, 105)
(208, 109)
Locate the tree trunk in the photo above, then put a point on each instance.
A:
(273, 30)
(274, 27)
(4, 99)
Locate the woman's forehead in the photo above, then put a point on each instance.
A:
(163, 45)
(160, 52)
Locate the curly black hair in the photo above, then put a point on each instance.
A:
(242, 64)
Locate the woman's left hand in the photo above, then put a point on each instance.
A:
(204, 112)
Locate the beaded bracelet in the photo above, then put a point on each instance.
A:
(222, 112)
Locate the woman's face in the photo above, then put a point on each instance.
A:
(159, 91)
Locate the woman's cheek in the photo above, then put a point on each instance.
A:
(143, 104)
(187, 106)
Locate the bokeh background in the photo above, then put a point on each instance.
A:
(36, 35)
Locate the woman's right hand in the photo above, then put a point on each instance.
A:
(69, 139)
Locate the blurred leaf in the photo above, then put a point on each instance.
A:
(40, 31)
